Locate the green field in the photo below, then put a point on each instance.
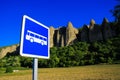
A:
(93, 72)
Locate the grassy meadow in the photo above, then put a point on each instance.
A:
(92, 72)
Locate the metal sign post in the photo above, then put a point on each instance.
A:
(35, 69)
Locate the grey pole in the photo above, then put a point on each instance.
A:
(35, 68)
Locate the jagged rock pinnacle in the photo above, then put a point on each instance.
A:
(92, 22)
(70, 33)
(70, 25)
(51, 27)
(52, 30)
(105, 20)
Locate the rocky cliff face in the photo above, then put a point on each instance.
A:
(10, 49)
(63, 36)
(67, 35)
(52, 31)
(84, 34)
(71, 33)
(106, 29)
(94, 32)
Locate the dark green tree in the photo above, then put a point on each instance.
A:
(116, 12)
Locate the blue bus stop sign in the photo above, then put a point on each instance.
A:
(34, 39)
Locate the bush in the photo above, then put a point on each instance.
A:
(9, 69)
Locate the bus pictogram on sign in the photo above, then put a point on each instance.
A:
(34, 37)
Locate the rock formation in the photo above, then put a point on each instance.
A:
(71, 33)
(9, 50)
(95, 33)
(84, 34)
(106, 29)
(92, 23)
(52, 31)
(63, 36)
(59, 37)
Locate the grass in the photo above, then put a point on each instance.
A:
(94, 72)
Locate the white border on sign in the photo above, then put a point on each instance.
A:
(22, 38)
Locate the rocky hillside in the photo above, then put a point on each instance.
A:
(67, 35)
(64, 36)
(14, 49)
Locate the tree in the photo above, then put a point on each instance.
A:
(26, 62)
(116, 12)
(3, 62)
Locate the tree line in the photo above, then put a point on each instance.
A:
(78, 54)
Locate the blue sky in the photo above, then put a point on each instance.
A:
(51, 13)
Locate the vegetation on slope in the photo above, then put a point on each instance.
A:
(81, 53)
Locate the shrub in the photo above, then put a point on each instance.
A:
(9, 69)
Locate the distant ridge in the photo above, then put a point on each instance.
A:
(67, 35)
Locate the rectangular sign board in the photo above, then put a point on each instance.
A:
(34, 39)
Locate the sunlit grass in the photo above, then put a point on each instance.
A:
(94, 72)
